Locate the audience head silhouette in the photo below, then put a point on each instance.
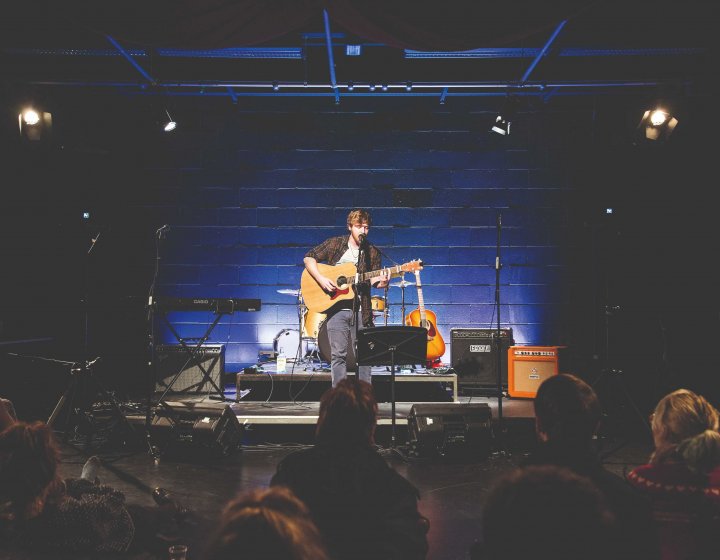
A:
(348, 414)
(266, 524)
(685, 427)
(567, 411)
(545, 512)
(29, 459)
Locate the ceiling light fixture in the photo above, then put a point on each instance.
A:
(501, 126)
(505, 117)
(657, 124)
(169, 125)
(34, 124)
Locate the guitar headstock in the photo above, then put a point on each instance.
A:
(412, 266)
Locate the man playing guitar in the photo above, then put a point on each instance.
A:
(340, 317)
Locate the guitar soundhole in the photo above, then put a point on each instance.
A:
(341, 281)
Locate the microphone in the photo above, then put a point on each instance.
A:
(363, 239)
(162, 231)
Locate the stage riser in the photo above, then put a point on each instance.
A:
(263, 388)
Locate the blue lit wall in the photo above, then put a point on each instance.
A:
(270, 185)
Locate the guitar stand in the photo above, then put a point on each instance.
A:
(383, 346)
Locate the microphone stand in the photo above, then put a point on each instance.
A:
(498, 340)
(355, 307)
(83, 382)
(152, 369)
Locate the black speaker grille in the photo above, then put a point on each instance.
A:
(473, 356)
(171, 359)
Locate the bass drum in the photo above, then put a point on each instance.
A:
(324, 347)
(287, 342)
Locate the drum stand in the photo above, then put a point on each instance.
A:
(402, 285)
(308, 359)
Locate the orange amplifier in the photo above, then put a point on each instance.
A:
(528, 366)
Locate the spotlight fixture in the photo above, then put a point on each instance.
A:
(384, 87)
(408, 86)
(169, 124)
(350, 86)
(501, 126)
(657, 124)
(371, 87)
(34, 124)
(276, 86)
(505, 117)
(30, 117)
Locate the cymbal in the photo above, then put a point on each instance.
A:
(402, 284)
(289, 292)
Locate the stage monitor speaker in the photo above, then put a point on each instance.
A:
(529, 366)
(173, 358)
(473, 356)
(193, 427)
(450, 430)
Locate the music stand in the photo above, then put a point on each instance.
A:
(383, 346)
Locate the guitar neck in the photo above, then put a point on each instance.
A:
(421, 301)
(393, 270)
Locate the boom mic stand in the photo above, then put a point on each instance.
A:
(84, 383)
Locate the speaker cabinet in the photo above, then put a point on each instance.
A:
(473, 356)
(453, 429)
(191, 427)
(174, 359)
(529, 366)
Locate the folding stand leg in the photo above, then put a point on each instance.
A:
(193, 354)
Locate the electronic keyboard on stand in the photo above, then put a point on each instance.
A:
(220, 307)
(216, 305)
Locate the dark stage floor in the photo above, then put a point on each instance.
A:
(452, 488)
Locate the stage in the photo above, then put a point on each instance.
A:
(265, 399)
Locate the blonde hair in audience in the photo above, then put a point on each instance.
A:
(685, 425)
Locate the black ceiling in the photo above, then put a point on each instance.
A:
(226, 48)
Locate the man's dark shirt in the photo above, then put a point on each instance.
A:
(330, 251)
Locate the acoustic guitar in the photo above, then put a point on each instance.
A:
(426, 319)
(345, 277)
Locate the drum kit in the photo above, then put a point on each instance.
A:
(309, 343)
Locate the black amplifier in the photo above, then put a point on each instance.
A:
(173, 360)
(473, 355)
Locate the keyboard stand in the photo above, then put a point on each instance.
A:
(193, 357)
